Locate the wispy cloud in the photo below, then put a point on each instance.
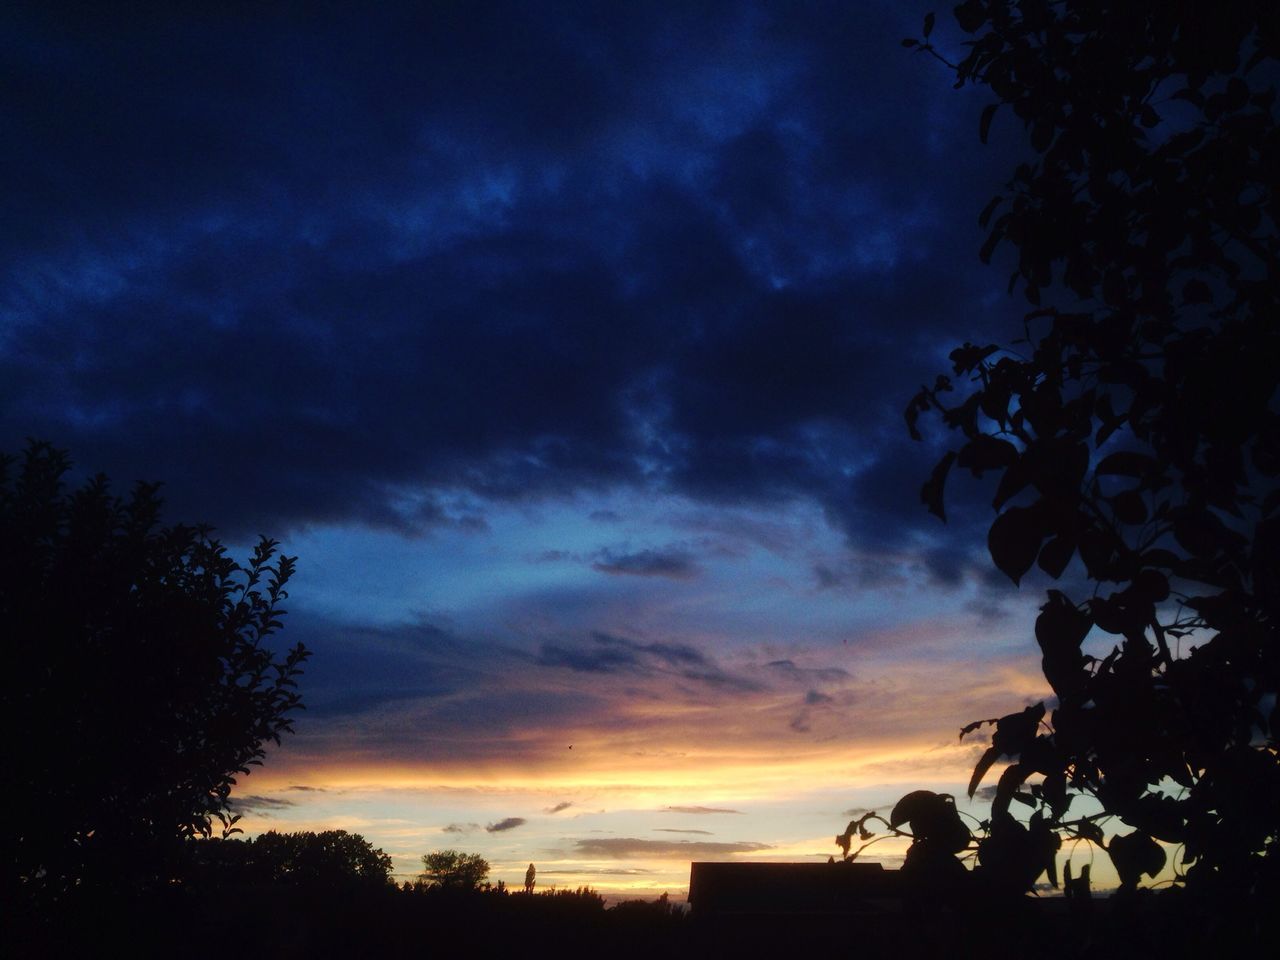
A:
(607, 653)
(622, 848)
(460, 828)
(260, 805)
(509, 823)
(790, 670)
(678, 830)
(675, 565)
(699, 810)
(562, 805)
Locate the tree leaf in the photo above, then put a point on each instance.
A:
(1016, 730)
(1056, 554)
(984, 453)
(984, 130)
(931, 492)
(1010, 780)
(1126, 463)
(985, 217)
(1129, 507)
(980, 770)
(1135, 854)
(1014, 540)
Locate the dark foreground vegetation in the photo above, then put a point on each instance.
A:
(282, 919)
(1131, 443)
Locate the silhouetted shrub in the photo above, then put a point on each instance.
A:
(1134, 438)
(137, 681)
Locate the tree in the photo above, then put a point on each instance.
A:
(331, 858)
(453, 870)
(138, 683)
(1134, 439)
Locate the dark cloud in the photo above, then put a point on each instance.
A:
(260, 805)
(509, 823)
(827, 577)
(791, 671)
(699, 810)
(360, 670)
(814, 697)
(562, 805)
(611, 654)
(555, 556)
(461, 828)
(622, 848)
(659, 262)
(646, 563)
(706, 833)
(587, 660)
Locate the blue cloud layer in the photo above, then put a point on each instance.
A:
(336, 270)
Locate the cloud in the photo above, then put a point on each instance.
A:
(699, 810)
(807, 675)
(260, 805)
(678, 830)
(646, 563)
(509, 823)
(438, 294)
(555, 556)
(613, 654)
(460, 828)
(562, 805)
(622, 848)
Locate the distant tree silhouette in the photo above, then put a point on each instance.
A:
(453, 870)
(1133, 436)
(530, 877)
(137, 683)
(331, 858)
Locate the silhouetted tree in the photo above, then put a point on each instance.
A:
(331, 858)
(530, 877)
(1133, 434)
(454, 870)
(137, 682)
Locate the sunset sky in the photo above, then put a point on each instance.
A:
(567, 346)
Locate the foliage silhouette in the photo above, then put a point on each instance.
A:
(454, 870)
(1133, 434)
(333, 859)
(137, 685)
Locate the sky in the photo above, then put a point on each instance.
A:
(567, 346)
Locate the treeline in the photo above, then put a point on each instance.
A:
(331, 894)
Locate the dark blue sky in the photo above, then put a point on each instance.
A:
(294, 265)
(562, 341)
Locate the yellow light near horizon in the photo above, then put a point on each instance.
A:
(730, 774)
